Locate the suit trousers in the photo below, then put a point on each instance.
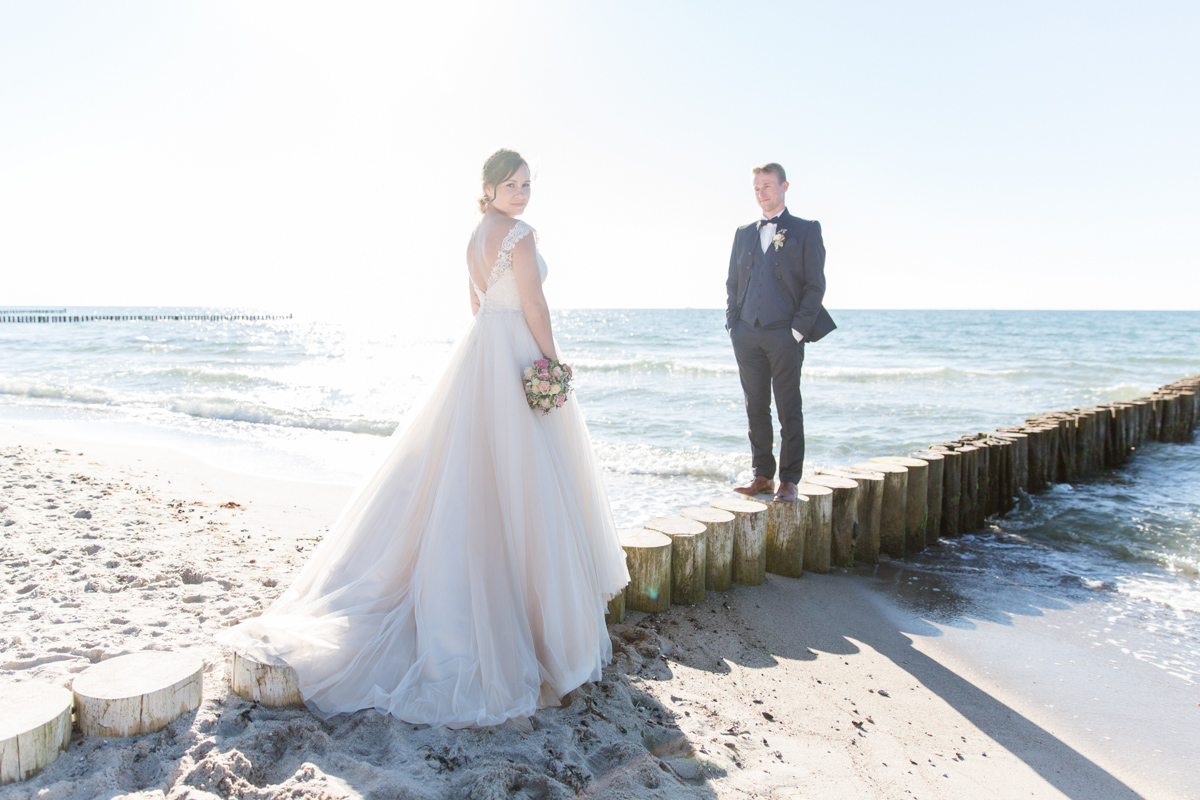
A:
(771, 358)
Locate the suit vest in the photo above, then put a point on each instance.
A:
(766, 304)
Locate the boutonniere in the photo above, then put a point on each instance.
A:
(779, 239)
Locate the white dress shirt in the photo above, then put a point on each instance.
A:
(765, 234)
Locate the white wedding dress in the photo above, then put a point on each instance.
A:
(466, 581)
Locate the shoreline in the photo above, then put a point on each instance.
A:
(685, 684)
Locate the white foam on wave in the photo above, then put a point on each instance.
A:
(649, 365)
(244, 411)
(644, 459)
(26, 387)
(852, 373)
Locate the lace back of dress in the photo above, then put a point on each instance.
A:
(500, 293)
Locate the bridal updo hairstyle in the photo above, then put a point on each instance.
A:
(499, 167)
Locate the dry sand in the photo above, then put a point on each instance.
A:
(799, 688)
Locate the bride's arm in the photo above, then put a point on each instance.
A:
(533, 302)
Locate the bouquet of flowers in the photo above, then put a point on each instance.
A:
(547, 384)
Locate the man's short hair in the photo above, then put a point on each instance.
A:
(773, 168)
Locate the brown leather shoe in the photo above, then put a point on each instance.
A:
(786, 493)
(759, 485)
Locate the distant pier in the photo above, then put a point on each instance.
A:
(46, 318)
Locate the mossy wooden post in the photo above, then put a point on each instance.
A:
(648, 554)
(1002, 466)
(1039, 453)
(137, 693)
(1085, 441)
(1156, 418)
(1065, 466)
(749, 538)
(688, 564)
(1053, 430)
(1021, 451)
(870, 510)
(1189, 397)
(1121, 434)
(820, 526)
(995, 463)
(1112, 437)
(970, 487)
(1007, 474)
(1167, 417)
(936, 481)
(916, 509)
(951, 489)
(1133, 425)
(1145, 413)
(983, 452)
(271, 685)
(845, 517)
(1033, 458)
(787, 526)
(893, 515)
(718, 545)
(35, 727)
(614, 614)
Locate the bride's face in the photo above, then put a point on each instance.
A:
(513, 194)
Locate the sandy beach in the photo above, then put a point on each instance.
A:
(830, 685)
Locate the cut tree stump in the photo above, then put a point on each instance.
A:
(649, 557)
(688, 564)
(845, 516)
(936, 481)
(269, 685)
(894, 509)
(138, 693)
(749, 538)
(870, 510)
(820, 526)
(718, 545)
(35, 727)
(787, 526)
(916, 508)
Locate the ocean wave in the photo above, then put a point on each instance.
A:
(651, 365)
(900, 373)
(643, 459)
(24, 387)
(210, 376)
(245, 411)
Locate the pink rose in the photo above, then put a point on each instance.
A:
(528, 373)
(557, 372)
(544, 402)
(542, 363)
(543, 387)
(562, 398)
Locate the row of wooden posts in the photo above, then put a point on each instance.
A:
(20, 318)
(891, 505)
(888, 505)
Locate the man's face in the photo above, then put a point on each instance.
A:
(769, 192)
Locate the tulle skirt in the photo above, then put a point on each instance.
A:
(466, 581)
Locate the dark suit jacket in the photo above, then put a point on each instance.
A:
(799, 270)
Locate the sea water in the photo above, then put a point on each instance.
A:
(315, 398)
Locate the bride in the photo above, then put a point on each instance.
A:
(466, 582)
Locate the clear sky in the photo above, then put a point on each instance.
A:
(294, 156)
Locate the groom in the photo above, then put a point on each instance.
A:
(775, 287)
